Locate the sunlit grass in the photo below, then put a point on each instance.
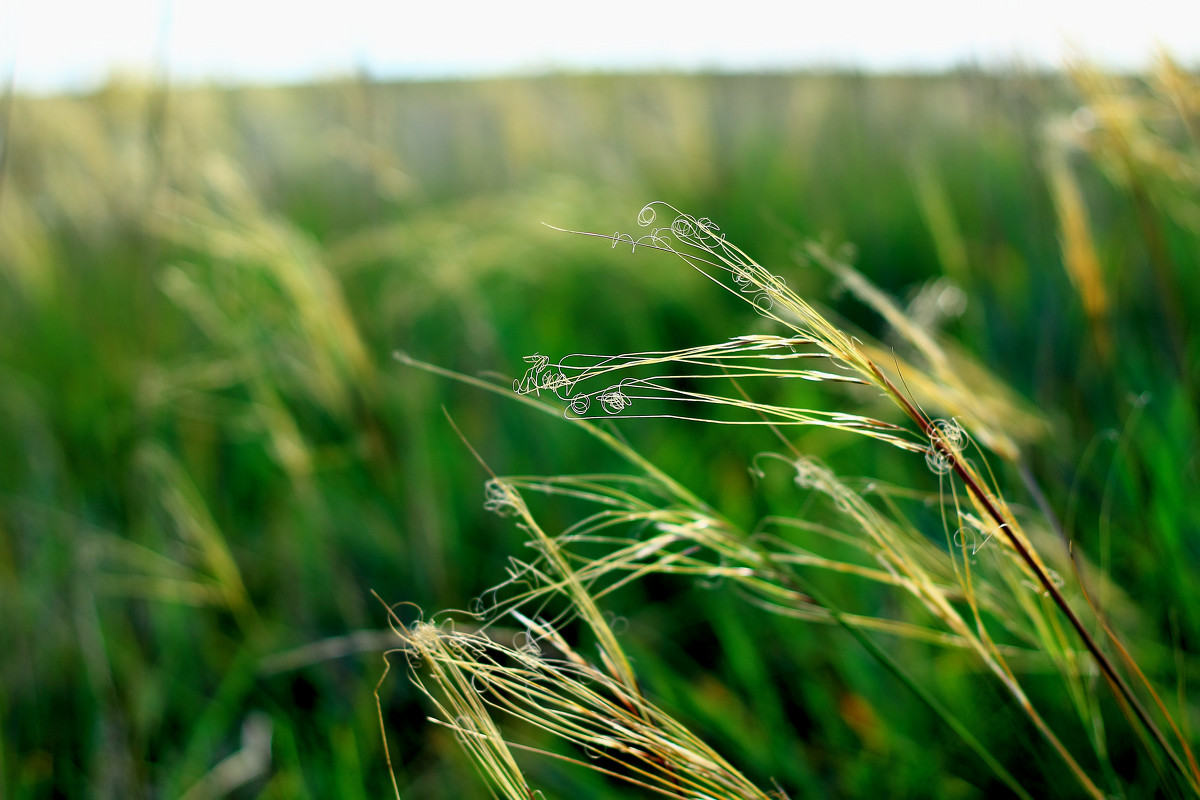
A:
(691, 539)
(208, 457)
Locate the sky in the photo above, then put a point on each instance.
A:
(53, 45)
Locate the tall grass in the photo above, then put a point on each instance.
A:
(1005, 605)
(208, 458)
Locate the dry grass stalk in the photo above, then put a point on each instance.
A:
(592, 558)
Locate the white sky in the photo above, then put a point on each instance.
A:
(57, 44)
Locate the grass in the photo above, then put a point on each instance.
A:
(212, 459)
(666, 540)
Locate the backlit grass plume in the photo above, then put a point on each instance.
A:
(980, 582)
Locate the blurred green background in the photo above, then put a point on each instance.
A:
(209, 458)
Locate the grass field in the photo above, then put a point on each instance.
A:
(210, 458)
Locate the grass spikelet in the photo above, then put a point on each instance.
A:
(454, 661)
(618, 733)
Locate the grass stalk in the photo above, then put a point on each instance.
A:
(699, 243)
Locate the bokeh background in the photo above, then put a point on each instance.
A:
(210, 459)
